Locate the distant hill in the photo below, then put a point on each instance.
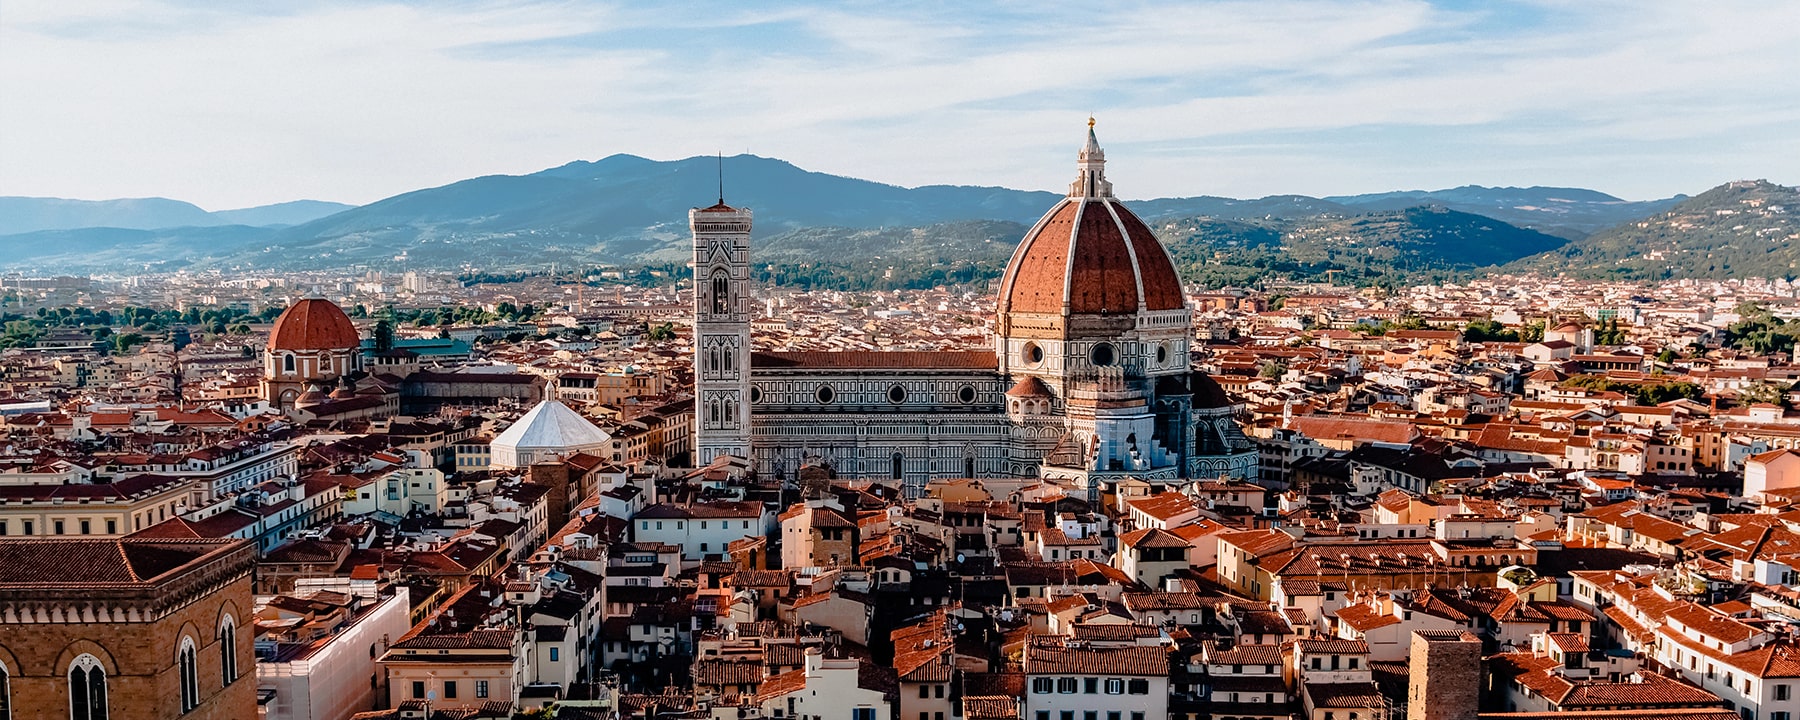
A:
(1569, 212)
(627, 210)
(1741, 229)
(280, 214)
(89, 249)
(1390, 246)
(31, 214)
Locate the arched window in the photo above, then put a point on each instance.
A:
(87, 689)
(721, 293)
(899, 468)
(228, 668)
(5, 695)
(968, 467)
(190, 675)
(287, 363)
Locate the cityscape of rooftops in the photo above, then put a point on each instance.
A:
(580, 360)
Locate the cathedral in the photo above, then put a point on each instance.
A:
(1089, 383)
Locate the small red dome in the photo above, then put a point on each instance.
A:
(313, 324)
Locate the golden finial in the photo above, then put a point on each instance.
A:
(1090, 122)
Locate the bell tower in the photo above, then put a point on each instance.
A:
(721, 331)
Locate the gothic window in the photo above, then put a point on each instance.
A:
(721, 293)
(190, 680)
(87, 689)
(899, 468)
(969, 467)
(227, 651)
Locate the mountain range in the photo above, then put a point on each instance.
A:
(626, 210)
(31, 214)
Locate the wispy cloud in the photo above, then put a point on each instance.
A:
(230, 104)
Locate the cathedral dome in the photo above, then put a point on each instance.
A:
(313, 324)
(1090, 255)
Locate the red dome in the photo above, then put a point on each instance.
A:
(313, 324)
(1090, 254)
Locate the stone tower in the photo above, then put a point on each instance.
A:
(721, 332)
(1445, 676)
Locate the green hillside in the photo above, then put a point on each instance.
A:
(1395, 246)
(1740, 229)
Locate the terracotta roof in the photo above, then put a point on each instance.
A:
(991, 707)
(1344, 695)
(1029, 387)
(1151, 538)
(1130, 660)
(313, 324)
(30, 563)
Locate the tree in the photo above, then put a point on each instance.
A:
(1489, 330)
(1532, 332)
(1610, 334)
(1272, 369)
(1764, 393)
(122, 344)
(1667, 356)
(665, 331)
(19, 333)
(384, 335)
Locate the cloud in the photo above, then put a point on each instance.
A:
(237, 104)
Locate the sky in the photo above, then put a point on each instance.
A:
(248, 102)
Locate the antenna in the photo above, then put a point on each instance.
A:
(721, 177)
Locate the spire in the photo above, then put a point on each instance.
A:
(1091, 162)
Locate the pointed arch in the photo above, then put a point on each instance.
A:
(228, 657)
(186, 663)
(87, 688)
(721, 292)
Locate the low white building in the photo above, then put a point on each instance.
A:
(702, 529)
(1070, 682)
(330, 680)
(823, 688)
